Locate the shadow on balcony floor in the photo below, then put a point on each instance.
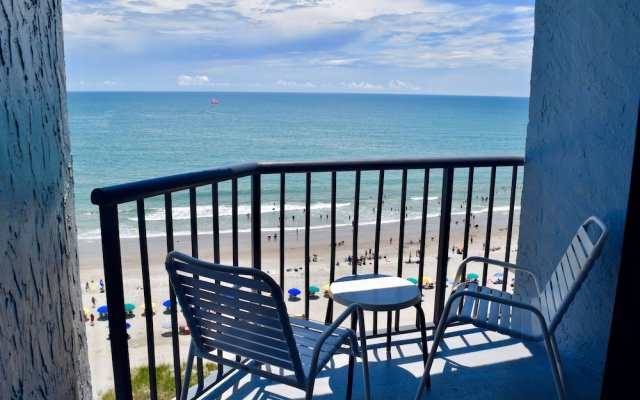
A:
(475, 365)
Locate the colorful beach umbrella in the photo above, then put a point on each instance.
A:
(427, 280)
(413, 280)
(498, 274)
(128, 307)
(102, 309)
(313, 289)
(167, 303)
(294, 292)
(326, 288)
(473, 276)
(85, 311)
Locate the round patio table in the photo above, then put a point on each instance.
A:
(376, 292)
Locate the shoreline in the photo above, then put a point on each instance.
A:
(91, 270)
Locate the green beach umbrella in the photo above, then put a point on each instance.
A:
(313, 289)
(413, 280)
(128, 307)
(473, 276)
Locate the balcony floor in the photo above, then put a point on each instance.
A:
(476, 365)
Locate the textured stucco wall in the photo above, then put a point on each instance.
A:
(585, 88)
(43, 351)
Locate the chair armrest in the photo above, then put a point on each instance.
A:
(504, 264)
(336, 324)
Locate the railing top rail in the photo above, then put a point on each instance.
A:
(122, 193)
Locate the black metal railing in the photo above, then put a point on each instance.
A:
(420, 177)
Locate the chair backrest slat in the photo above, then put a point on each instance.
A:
(585, 240)
(561, 282)
(554, 285)
(568, 273)
(233, 279)
(230, 299)
(235, 309)
(547, 305)
(573, 264)
(576, 249)
(572, 270)
(230, 316)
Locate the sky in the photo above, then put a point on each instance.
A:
(466, 47)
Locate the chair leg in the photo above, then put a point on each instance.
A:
(365, 357)
(556, 353)
(309, 392)
(423, 332)
(352, 361)
(426, 377)
(554, 360)
(187, 374)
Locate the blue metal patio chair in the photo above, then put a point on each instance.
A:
(531, 319)
(241, 311)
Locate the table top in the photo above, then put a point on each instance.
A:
(375, 292)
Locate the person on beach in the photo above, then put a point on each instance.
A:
(92, 318)
(93, 301)
(86, 286)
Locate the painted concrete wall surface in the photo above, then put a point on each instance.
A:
(585, 88)
(42, 339)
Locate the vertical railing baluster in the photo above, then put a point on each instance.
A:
(467, 218)
(487, 242)
(423, 226)
(193, 216)
(234, 220)
(332, 269)
(356, 212)
(307, 234)
(443, 241)
(256, 222)
(282, 225)
(177, 374)
(146, 287)
(376, 266)
(403, 215)
(378, 220)
(193, 219)
(512, 201)
(111, 257)
(215, 216)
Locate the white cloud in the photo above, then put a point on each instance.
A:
(197, 80)
(336, 63)
(361, 86)
(401, 85)
(111, 83)
(294, 84)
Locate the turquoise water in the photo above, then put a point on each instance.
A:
(123, 137)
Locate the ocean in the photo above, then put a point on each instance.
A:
(119, 137)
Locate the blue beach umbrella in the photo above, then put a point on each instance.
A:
(294, 292)
(102, 309)
(167, 303)
(498, 274)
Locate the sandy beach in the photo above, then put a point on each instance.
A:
(91, 271)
